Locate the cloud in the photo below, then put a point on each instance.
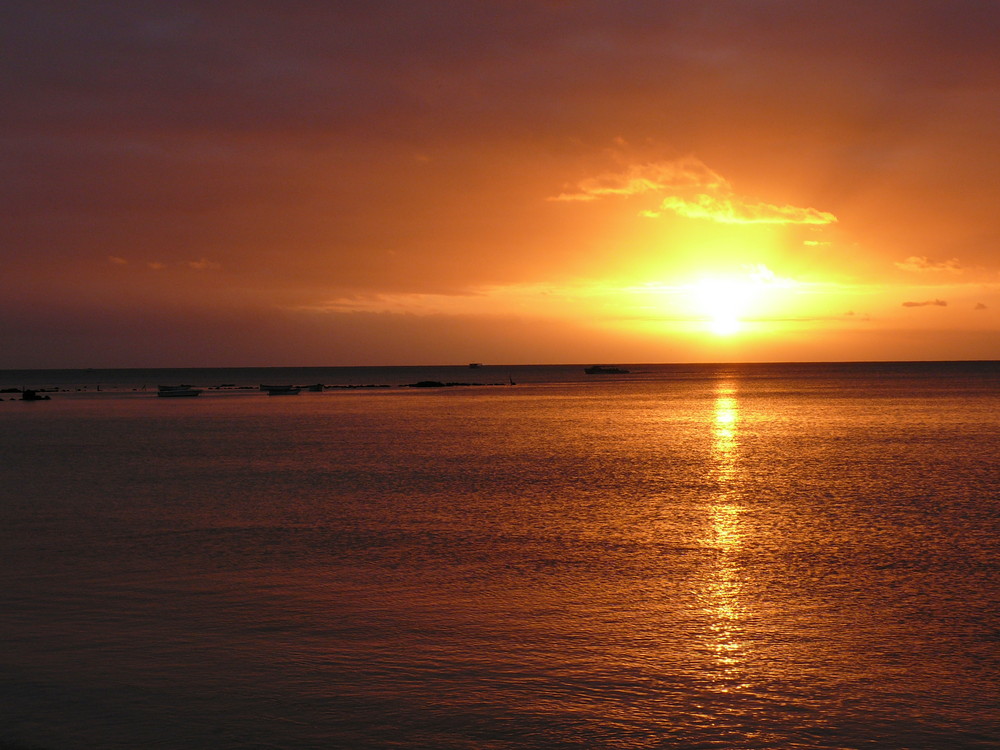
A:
(980, 306)
(735, 210)
(693, 190)
(528, 299)
(923, 264)
(927, 303)
(684, 174)
(203, 264)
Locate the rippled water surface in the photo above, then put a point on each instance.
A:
(700, 557)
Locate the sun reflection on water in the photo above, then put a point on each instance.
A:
(725, 445)
(723, 596)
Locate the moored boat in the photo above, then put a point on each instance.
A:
(602, 370)
(281, 390)
(177, 391)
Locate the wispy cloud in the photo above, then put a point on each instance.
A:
(731, 209)
(923, 264)
(685, 174)
(980, 306)
(531, 299)
(477, 301)
(203, 264)
(408, 304)
(927, 303)
(688, 187)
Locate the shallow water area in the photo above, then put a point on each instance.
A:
(759, 556)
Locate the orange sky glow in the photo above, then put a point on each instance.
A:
(344, 183)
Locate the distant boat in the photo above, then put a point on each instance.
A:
(315, 387)
(177, 391)
(602, 370)
(475, 365)
(281, 390)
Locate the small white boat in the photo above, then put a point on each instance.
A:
(177, 391)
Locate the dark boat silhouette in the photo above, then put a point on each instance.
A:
(177, 391)
(281, 390)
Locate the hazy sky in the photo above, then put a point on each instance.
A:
(338, 183)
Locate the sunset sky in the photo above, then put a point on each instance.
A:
(375, 183)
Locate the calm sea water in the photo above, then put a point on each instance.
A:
(759, 556)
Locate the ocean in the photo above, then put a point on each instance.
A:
(681, 556)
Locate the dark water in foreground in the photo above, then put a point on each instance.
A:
(793, 556)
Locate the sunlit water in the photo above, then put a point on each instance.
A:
(699, 557)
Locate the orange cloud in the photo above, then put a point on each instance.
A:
(694, 191)
(681, 175)
(927, 303)
(203, 264)
(735, 210)
(923, 264)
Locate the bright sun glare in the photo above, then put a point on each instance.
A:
(724, 302)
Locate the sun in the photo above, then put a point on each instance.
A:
(724, 325)
(750, 300)
(724, 303)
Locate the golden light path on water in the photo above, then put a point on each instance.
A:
(723, 601)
